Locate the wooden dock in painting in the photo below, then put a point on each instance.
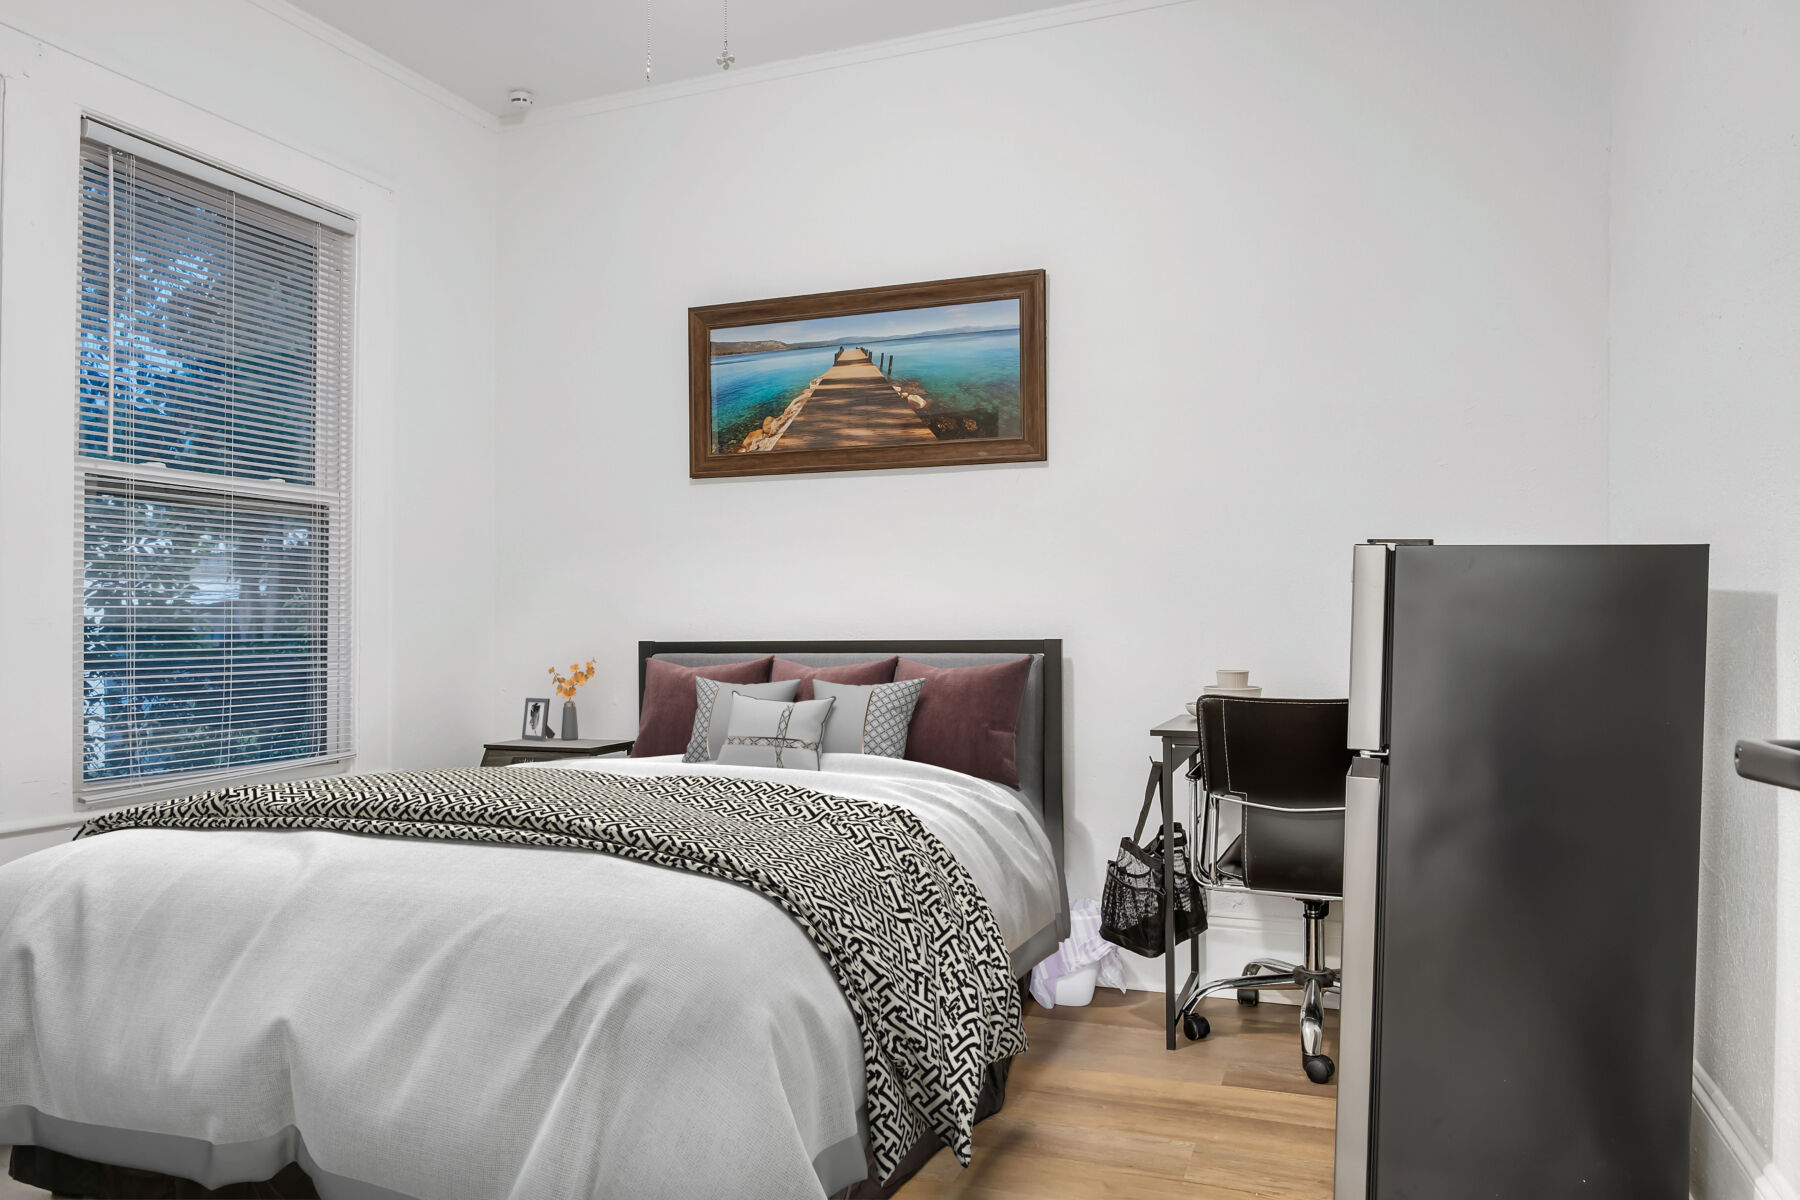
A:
(853, 404)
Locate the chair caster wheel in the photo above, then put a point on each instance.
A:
(1319, 1067)
(1250, 996)
(1195, 1027)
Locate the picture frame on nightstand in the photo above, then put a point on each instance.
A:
(536, 724)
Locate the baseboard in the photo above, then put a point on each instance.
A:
(1729, 1162)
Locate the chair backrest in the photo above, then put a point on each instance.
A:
(1292, 754)
(1275, 751)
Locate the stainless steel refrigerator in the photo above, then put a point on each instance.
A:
(1522, 826)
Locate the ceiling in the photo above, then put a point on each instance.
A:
(566, 50)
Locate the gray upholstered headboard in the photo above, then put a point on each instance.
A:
(1040, 715)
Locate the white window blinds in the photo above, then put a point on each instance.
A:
(212, 474)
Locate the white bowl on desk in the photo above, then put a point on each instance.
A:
(1193, 706)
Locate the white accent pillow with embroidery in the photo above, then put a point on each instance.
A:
(712, 711)
(771, 733)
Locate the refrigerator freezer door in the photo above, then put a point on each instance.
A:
(1368, 648)
(1356, 1013)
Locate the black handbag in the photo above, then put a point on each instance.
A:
(1133, 905)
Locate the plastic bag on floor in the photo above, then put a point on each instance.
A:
(1083, 948)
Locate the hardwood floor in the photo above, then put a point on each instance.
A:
(11, 1189)
(1099, 1109)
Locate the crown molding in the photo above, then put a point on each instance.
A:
(1071, 14)
(960, 35)
(367, 55)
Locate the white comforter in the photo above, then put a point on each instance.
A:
(456, 1021)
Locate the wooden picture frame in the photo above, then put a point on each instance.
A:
(864, 411)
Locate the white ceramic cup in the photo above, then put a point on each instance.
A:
(1234, 679)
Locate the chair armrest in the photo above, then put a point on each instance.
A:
(1300, 806)
(1297, 806)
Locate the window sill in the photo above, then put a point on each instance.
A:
(98, 799)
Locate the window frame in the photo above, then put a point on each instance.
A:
(334, 504)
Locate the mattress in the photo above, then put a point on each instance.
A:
(449, 1020)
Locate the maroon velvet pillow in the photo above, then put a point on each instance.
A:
(968, 717)
(666, 714)
(879, 671)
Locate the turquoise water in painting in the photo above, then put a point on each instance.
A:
(959, 372)
(962, 372)
(748, 387)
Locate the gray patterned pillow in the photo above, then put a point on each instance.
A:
(712, 711)
(769, 733)
(869, 718)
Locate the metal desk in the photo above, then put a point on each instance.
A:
(1180, 742)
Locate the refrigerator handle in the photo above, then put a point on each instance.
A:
(1358, 994)
(1368, 648)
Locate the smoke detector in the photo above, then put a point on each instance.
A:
(520, 99)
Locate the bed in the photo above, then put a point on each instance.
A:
(438, 1020)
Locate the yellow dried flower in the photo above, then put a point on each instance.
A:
(567, 685)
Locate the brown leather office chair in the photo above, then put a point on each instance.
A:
(1282, 764)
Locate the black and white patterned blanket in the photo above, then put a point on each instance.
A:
(912, 942)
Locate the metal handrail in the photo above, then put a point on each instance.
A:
(1773, 761)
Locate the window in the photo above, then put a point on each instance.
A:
(212, 473)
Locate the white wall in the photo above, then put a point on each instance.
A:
(1705, 368)
(255, 86)
(1316, 274)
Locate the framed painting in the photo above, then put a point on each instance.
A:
(916, 375)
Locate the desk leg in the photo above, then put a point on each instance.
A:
(1195, 844)
(1168, 816)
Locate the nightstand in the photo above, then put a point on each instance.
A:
(523, 750)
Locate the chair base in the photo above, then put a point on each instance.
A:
(1311, 977)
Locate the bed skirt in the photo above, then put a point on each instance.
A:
(67, 1175)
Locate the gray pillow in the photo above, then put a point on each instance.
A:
(712, 711)
(770, 733)
(869, 718)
